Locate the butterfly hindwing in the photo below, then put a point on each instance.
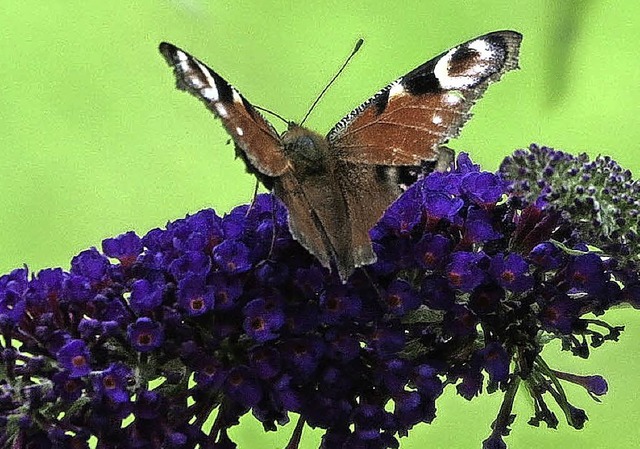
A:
(312, 221)
(252, 134)
(331, 215)
(368, 192)
(407, 121)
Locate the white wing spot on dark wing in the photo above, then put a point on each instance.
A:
(210, 92)
(239, 131)
(221, 110)
(183, 61)
(396, 89)
(236, 96)
(182, 56)
(486, 54)
(453, 98)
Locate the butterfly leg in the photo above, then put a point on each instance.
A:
(445, 159)
(274, 231)
(253, 200)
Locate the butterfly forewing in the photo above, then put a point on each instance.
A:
(408, 120)
(252, 134)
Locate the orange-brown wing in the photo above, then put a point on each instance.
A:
(252, 134)
(408, 120)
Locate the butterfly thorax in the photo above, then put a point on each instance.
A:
(307, 150)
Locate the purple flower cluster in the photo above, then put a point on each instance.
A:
(138, 345)
(598, 199)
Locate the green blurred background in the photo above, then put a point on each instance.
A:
(96, 141)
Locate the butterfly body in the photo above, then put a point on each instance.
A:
(337, 187)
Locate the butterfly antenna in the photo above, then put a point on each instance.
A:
(353, 53)
(275, 114)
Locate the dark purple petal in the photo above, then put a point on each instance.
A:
(460, 321)
(479, 227)
(437, 293)
(547, 255)
(431, 251)
(265, 362)
(226, 291)
(125, 247)
(486, 299)
(471, 385)
(232, 257)
(336, 305)
(68, 388)
(190, 263)
(511, 272)
(263, 319)
(401, 298)
(194, 296)
(464, 164)
(112, 382)
(463, 272)
(386, 341)
(74, 356)
(242, 386)
(495, 361)
(438, 206)
(145, 296)
(145, 335)
(90, 264)
(560, 314)
(596, 385)
(483, 188)
(401, 217)
(586, 273)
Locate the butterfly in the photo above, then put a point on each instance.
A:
(336, 187)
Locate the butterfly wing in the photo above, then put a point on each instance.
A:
(316, 215)
(331, 215)
(368, 192)
(253, 135)
(408, 120)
